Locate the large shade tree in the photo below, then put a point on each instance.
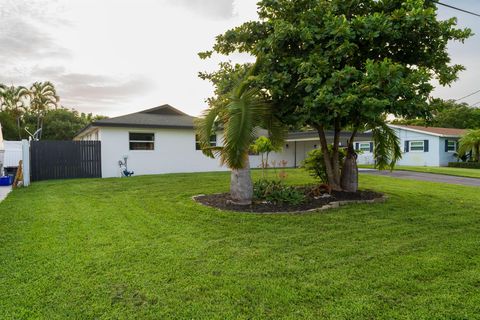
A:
(341, 64)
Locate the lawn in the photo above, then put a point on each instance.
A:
(140, 248)
(460, 172)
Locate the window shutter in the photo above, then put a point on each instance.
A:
(425, 146)
(371, 146)
(446, 145)
(357, 146)
(406, 146)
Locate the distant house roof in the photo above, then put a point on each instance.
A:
(441, 132)
(164, 116)
(313, 135)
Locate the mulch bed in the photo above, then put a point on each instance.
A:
(337, 198)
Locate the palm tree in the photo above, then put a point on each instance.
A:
(43, 97)
(239, 116)
(470, 142)
(13, 100)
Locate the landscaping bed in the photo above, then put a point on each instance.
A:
(223, 201)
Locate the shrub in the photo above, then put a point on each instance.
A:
(275, 191)
(468, 165)
(315, 165)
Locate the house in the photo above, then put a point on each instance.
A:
(162, 140)
(421, 146)
(299, 144)
(154, 141)
(427, 146)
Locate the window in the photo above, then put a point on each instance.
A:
(142, 141)
(213, 142)
(418, 146)
(451, 146)
(364, 146)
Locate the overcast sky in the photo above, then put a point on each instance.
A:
(114, 57)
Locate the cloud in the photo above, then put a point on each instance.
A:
(212, 8)
(93, 91)
(21, 35)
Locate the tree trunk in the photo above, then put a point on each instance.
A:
(349, 180)
(241, 187)
(332, 175)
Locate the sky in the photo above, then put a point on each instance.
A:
(114, 57)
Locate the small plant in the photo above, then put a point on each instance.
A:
(282, 174)
(276, 191)
(315, 165)
(264, 146)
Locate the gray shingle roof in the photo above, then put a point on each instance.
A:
(167, 116)
(164, 116)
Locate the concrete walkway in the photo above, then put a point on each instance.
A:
(472, 182)
(4, 191)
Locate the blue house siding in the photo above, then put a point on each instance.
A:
(445, 156)
(429, 158)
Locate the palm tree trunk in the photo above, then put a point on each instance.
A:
(241, 187)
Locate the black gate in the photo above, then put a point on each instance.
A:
(65, 160)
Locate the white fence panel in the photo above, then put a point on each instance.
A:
(13, 153)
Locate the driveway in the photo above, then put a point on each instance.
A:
(472, 182)
(4, 191)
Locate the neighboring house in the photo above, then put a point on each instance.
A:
(427, 146)
(421, 146)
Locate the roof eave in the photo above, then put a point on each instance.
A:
(132, 125)
(426, 132)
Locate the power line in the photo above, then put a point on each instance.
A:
(471, 94)
(455, 8)
(474, 104)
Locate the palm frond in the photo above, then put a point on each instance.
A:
(387, 151)
(205, 127)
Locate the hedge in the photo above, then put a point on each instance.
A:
(468, 165)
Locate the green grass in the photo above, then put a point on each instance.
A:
(140, 248)
(460, 172)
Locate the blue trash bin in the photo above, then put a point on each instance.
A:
(6, 181)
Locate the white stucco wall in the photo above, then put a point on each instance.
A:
(174, 152)
(287, 154)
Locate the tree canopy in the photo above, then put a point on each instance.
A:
(346, 63)
(24, 109)
(447, 114)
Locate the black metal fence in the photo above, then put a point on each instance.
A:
(65, 160)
